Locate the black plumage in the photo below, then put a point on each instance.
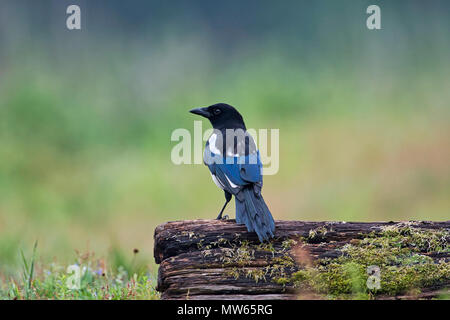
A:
(235, 165)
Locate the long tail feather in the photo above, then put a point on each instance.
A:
(253, 212)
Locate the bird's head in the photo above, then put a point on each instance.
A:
(221, 116)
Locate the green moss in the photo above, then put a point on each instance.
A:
(405, 235)
(282, 281)
(399, 253)
(316, 235)
(242, 254)
(233, 273)
(256, 274)
(396, 280)
(288, 244)
(191, 235)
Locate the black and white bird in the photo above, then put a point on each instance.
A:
(235, 165)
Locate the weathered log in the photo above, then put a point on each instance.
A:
(211, 259)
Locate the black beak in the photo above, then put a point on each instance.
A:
(201, 112)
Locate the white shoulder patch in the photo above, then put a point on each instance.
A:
(220, 184)
(231, 183)
(212, 144)
(217, 182)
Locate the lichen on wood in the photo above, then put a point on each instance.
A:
(402, 254)
(210, 258)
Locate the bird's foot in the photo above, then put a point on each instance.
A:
(220, 217)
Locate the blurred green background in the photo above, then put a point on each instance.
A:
(86, 116)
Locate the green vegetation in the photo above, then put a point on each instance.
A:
(398, 252)
(75, 176)
(95, 281)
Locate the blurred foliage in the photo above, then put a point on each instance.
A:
(96, 280)
(86, 117)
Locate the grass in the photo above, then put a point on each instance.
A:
(28, 272)
(88, 278)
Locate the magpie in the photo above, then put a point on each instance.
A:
(235, 165)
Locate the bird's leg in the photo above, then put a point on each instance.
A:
(227, 199)
(219, 217)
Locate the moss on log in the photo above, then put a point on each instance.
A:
(210, 259)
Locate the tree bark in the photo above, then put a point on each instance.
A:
(204, 259)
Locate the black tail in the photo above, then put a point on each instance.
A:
(253, 212)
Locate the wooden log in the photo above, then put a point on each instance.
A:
(211, 259)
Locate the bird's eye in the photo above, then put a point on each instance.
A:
(217, 111)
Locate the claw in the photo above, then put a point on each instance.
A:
(220, 217)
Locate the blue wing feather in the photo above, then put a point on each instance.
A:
(242, 177)
(241, 170)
